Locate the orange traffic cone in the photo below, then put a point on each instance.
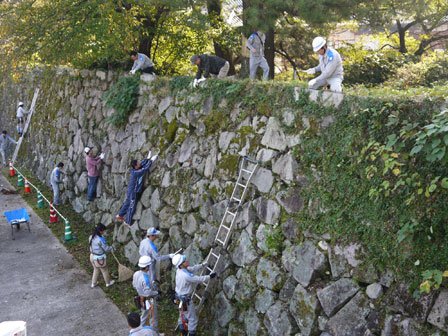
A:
(27, 187)
(53, 216)
(11, 170)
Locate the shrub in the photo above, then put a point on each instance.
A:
(123, 98)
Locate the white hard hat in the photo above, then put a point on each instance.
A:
(87, 149)
(144, 261)
(152, 232)
(20, 103)
(178, 260)
(318, 43)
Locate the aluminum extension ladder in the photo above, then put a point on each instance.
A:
(247, 168)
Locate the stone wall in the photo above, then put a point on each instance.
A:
(308, 285)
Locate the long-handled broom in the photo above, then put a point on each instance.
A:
(124, 273)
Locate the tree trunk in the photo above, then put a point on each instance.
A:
(150, 25)
(247, 30)
(214, 13)
(402, 36)
(269, 51)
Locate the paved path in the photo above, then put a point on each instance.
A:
(43, 285)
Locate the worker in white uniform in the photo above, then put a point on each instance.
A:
(20, 114)
(143, 284)
(185, 285)
(136, 328)
(148, 248)
(330, 66)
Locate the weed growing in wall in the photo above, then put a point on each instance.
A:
(122, 97)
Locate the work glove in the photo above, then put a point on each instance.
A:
(154, 157)
(204, 264)
(195, 82)
(312, 82)
(171, 255)
(254, 50)
(212, 275)
(102, 156)
(311, 71)
(201, 80)
(149, 155)
(132, 72)
(63, 180)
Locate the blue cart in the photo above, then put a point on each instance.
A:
(17, 217)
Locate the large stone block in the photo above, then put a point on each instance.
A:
(264, 300)
(304, 262)
(244, 253)
(267, 210)
(278, 321)
(224, 309)
(148, 219)
(304, 307)
(439, 312)
(252, 324)
(274, 137)
(286, 166)
(336, 295)
(131, 252)
(269, 274)
(263, 180)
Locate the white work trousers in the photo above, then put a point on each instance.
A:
(56, 194)
(334, 82)
(190, 317)
(4, 156)
(254, 63)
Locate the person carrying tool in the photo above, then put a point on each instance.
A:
(255, 44)
(142, 63)
(56, 177)
(135, 188)
(148, 248)
(209, 64)
(20, 114)
(5, 140)
(185, 284)
(330, 66)
(144, 285)
(92, 171)
(98, 249)
(136, 328)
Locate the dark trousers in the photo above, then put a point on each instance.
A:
(129, 207)
(91, 190)
(149, 70)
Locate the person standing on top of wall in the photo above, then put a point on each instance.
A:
(92, 171)
(5, 140)
(142, 63)
(255, 44)
(20, 114)
(135, 188)
(209, 64)
(330, 66)
(136, 328)
(185, 285)
(148, 248)
(56, 177)
(98, 249)
(144, 285)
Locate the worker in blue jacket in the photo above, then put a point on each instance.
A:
(135, 188)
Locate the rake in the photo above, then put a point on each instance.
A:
(124, 273)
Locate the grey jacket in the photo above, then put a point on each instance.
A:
(56, 176)
(143, 331)
(21, 112)
(147, 248)
(4, 142)
(330, 64)
(142, 285)
(98, 246)
(186, 281)
(142, 62)
(256, 41)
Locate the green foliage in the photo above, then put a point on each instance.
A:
(122, 97)
(432, 279)
(433, 140)
(275, 238)
(370, 67)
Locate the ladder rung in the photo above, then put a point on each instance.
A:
(210, 269)
(236, 199)
(231, 213)
(219, 241)
(241, 185)
(247, 171)
(225, 227)
(215, 255)
(198, 296)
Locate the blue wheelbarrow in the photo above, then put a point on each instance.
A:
(17, 217)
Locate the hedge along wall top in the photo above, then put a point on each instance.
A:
(341, 175)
